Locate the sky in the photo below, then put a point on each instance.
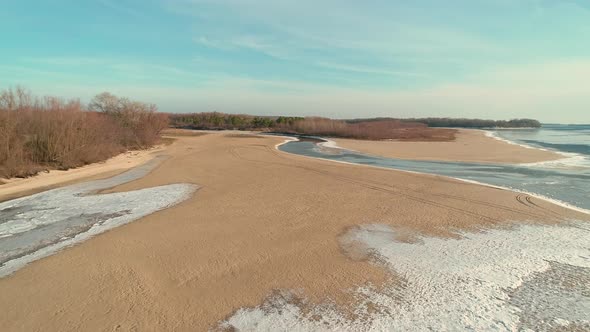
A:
(494, 59)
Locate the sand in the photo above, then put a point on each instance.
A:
(469, 146)
(16, 187)
(262, 221)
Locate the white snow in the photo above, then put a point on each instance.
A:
(36, 226)
(450, 284)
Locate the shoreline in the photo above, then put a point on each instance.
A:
(471, 145)
(102, 212)
(19, 187)
(333, 145)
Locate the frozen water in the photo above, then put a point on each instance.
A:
(38, 225)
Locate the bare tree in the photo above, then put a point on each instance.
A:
(106, 103)
(50, 132)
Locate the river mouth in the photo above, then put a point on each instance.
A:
(39, 225)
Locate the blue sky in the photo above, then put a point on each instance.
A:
(461, 58)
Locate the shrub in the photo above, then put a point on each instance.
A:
(43, 133)
(139, 122)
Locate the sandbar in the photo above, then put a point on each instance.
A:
(470, 145)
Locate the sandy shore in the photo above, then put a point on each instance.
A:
(13, 188)
(469, 146)
(262, 221)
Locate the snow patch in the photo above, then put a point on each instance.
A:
(39, 225)
(453, 284)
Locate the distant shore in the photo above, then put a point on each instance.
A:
(470, 145)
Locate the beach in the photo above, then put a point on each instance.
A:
(262, 222)
(470, 145)
(17, 187)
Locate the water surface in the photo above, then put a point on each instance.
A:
(566, 180)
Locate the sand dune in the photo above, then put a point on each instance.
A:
(263, 222)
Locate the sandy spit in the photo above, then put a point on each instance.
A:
(471, 145)
(263, 221)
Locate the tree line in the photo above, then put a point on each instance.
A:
(223, 121)
(38, 134)
(381, 129)
(464, 123)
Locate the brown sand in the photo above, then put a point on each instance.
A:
(262, 221)
(470, 145)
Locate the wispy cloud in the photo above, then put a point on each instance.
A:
(500, 93)
(504, 92)
(370, 70)
(117, 67)
(493, 58)
(350, 38)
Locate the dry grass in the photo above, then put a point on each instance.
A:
(373, 130)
